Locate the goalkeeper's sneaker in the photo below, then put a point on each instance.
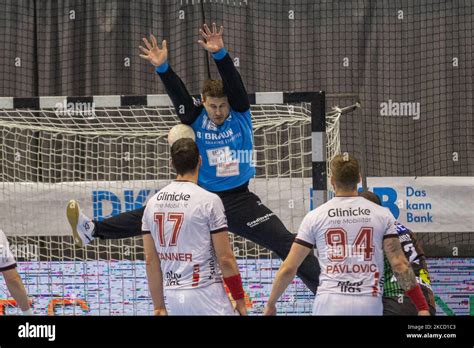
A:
(82, 226)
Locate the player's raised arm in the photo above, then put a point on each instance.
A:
(286, 274)
(233, 85)
(229, 268)
(186, 110)
(404, 273)
(154, 275)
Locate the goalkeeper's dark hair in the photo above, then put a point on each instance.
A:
(371, 197)
(345, 170)
(184, 156)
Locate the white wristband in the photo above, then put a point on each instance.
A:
(27, 312)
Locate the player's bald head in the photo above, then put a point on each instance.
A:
(184, 156)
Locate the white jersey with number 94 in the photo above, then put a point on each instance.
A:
(348, 234)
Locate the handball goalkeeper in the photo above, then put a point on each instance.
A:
(223, 127)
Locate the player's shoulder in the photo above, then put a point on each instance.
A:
(238, 113)
(194, 190)
(156, 196)
(325, 207)
(201, 121)
(241, 117)
(209, 196)
(153, 198)
(207, 202)
(375, 208)
(319, 211)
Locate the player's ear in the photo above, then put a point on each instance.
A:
(171, 163)
(333, 183)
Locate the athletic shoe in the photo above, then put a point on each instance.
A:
(82, 226)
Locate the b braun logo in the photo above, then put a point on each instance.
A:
(102, 198)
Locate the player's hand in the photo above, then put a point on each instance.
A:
(153, 53)
(212, 39)
(270, 310)
(241, 307)
(160, 311)
(424, 313)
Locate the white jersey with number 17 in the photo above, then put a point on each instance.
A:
(348, 234)
(181, 218)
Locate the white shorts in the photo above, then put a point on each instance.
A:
(208, 300)
(340, 304)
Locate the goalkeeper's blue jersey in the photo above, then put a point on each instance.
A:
(226, 151)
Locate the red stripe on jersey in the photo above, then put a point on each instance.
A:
(375, 287)
(195, 275)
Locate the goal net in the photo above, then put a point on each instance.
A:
(111, 159)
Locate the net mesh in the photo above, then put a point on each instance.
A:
(383, 51)
(111, 160)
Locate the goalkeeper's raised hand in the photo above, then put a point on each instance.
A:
(212, 39)
(153, 53)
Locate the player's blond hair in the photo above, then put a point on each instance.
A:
(345, 170)
(213, 88)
